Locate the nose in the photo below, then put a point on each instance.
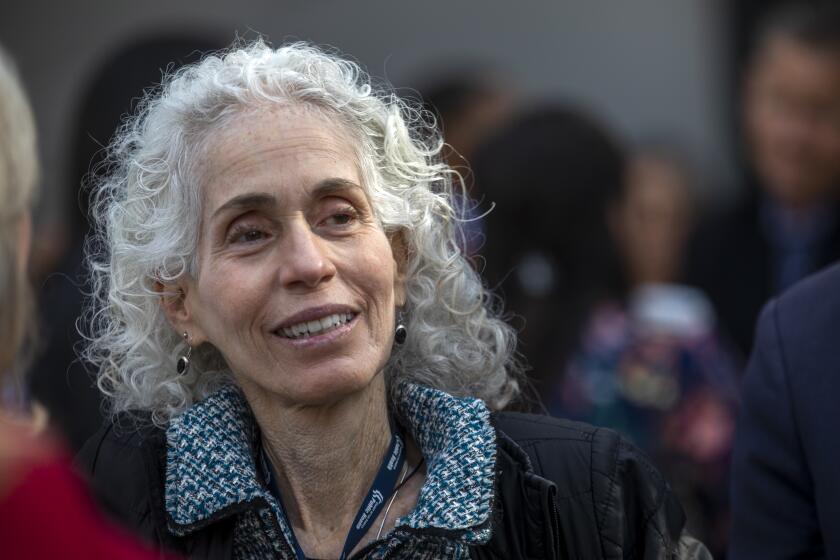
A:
(305, 261)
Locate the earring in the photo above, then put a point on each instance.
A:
(400, 333)
(184, 361)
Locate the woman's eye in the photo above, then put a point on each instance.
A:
(247, 235)
(342, 218)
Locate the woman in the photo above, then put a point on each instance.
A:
(649, 362)
(45, 511)
(300, 361)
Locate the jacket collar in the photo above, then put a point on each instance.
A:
(459, 445)
(210, 462)
(211, 470)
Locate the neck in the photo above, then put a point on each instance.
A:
(326, 458)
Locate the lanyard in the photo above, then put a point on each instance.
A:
(380, 491)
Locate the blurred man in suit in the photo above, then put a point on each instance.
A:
(788, 224)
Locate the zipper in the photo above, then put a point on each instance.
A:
(555, 524)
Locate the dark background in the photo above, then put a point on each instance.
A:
(648, 67)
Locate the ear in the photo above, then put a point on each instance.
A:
(399, 250)
(175, 303)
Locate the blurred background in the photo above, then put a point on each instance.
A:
(659, 168)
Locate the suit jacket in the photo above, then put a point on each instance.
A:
(786, 461)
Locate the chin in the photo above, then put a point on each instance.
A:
(328, 388)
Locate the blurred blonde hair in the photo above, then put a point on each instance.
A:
(18, 176)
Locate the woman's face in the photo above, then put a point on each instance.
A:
(652, 221)
(297, 283)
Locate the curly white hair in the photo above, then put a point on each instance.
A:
(147, 207)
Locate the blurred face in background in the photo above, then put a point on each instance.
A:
(792, 112)
(652, 220)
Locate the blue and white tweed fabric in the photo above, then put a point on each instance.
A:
(212, 474)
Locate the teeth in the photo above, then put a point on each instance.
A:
(304, 330)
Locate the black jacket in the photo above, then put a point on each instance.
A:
(565, 490)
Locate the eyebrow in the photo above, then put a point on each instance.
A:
(256, 200)
(332, 186)
(247, 200)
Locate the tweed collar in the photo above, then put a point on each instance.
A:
(210, 463)
(459, 445)
(211, 470)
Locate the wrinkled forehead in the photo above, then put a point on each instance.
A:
(306, 139)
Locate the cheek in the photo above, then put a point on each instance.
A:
(230, 296)
(375, 269)
(385, 270)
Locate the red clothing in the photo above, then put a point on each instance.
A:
(47, 513)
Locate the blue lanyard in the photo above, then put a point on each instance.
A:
(380, 491)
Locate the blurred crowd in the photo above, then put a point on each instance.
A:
(635, 299)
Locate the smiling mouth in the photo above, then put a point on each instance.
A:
(307, 329)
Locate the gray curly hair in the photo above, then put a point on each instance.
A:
(147, 206)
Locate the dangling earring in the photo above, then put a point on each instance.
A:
(184, 361)
(400, 333)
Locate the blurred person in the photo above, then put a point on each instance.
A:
(469, 106)
(785, 487)
(58, 379)
(45, 512)
(550, 173)
(788, 224)
(649, 363)
(288, 333)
